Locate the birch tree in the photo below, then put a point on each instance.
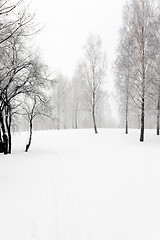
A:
(94, 69)
(76, 96)
(122, 69)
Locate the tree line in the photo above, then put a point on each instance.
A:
(137, 64)
(80, 102)
(27, 92)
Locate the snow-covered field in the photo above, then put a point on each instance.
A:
(75, 185)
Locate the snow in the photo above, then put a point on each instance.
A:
(76, 185)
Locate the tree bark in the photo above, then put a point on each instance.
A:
(157, 124)
(142, 122)
(1, 134)
(143, 84)
(126, 130)
(126, 117)
(5, 139)
(4, 133)
(158, 110)
(1, 143)
(94, 121)
(9, 140)
(8, 124)
(94, 108)
(30, 135)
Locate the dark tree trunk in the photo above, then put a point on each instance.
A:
(4, 135)
(126, 118)
(94, 111)
(1, 134)
(158, 110)
(143, 86)
(9, 140)
(126, 130)
(157, 124)
(142, 122)
(5, 140)
(8, 124)
(94, 123)
(30, 135)
(1, 143)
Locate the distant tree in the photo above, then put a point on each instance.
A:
(76, 95)
(60, 97)
(94, 69)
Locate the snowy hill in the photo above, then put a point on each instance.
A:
(75, 185)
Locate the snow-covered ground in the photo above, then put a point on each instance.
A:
(75, 185)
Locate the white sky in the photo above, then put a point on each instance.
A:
(68, 25)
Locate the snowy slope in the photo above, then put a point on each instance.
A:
(75, 185)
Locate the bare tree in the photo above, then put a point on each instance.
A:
(122, 67)
(94, 69)
(76, 96)
(33, 106)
